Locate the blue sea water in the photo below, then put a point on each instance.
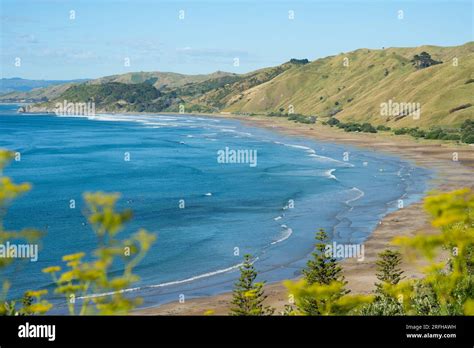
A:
(227, 206)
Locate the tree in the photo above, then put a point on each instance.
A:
(388, 270)
(388, 274)
(423, 60)
(322, 269)
(248, 295)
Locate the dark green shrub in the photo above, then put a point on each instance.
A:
(368, 128)
(333, 121)
(383, 128)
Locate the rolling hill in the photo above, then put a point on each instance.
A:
(355, 91)
(157, 79)
(438, 82)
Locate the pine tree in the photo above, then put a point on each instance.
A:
(322, 269)
(248, 295)
(388, 273)
(388, 270)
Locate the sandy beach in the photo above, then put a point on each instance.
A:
(434, 155)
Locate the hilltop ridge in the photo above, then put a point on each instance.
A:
(355, 86)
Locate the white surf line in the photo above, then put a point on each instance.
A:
(288, 234)
(176, 282)
(329, 174)
(338, 215)
(312, 153)
(361, 194)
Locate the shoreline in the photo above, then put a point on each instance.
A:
(434, 155)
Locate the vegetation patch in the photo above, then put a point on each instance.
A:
(424, 60)
(352, 126)
(460, 107)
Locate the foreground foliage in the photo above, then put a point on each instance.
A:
(447, 287)
(31, 302)
(86, 281)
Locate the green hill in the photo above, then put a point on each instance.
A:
(355, 92)
(158, 79)
(397, 87)
(215, 94)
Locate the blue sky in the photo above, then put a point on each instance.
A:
(212, 33)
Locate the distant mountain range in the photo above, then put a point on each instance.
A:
(16, 84)
(438, 81)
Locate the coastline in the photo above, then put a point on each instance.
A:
(433, 155)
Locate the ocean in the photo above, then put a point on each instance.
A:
(207, 204)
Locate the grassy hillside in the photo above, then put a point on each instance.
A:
(231, 92)
(197, 93)
(437, 81)
(159, 79)
(355, 92)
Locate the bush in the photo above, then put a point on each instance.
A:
(468, 139)
(302, 118)
(356, 127)
(383, 128)
(368, 128)
(464, 134)
(467, 132)
(333, 121)
(452, 136)
(417, 133)
(276, 114)
(436, 133)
